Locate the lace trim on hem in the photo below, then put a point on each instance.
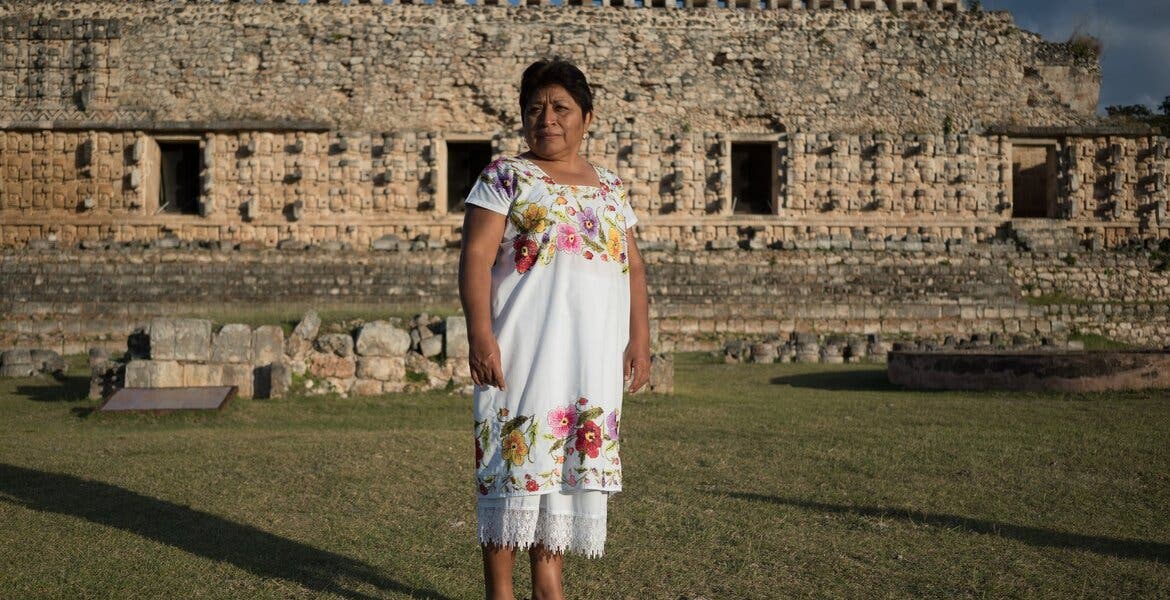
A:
(522, 529)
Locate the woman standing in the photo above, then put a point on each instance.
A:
(554, 291)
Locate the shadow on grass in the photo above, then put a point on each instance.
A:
(1035, 536)
(869, 380)
(62, 388)
(203, 534)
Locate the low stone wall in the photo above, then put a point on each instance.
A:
(70, 300)
(368, 359)
(1059, 371)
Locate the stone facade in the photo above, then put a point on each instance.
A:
(333, 124)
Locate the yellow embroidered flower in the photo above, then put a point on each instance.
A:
(561, 200)
(534, 218)
(614, 243)
(515, 450)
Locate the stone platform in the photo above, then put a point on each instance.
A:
(1079, 371)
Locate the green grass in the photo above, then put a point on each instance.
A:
(752, 481)
(1093, 341)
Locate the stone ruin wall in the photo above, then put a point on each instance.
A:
(326, 123)
(70, 300)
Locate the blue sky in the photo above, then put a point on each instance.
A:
(1135, 33)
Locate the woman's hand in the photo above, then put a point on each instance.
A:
(484, 358)
(636, 365)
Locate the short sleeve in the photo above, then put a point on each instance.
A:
(627, 208)
(495, 189)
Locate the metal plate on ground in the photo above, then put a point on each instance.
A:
(166, 399)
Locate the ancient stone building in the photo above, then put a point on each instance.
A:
(343, 123)
(839, 167)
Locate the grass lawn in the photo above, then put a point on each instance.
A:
(752, 481)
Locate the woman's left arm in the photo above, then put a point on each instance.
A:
(636, 361)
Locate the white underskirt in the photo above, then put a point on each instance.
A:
(562, 522)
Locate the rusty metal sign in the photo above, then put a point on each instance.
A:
(168, 399)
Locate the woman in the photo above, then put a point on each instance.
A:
(554, 291)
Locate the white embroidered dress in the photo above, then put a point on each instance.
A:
(547, 445)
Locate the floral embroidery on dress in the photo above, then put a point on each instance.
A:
(574, 435)
(586, 221)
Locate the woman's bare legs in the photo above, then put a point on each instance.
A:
(498, 564)
(547, 569)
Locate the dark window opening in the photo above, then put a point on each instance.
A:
(1033, 182)
(465, 161)
(178, 190)
(751, 178)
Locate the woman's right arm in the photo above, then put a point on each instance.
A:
(482, 232)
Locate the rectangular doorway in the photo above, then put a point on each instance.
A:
(178, 190)
(465, 161)
(1033, 181)
(753, 174)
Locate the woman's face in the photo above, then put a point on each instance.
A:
(554, 124)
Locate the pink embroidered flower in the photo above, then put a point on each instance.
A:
(531, 486)
(568, 240)
(611, 424)
(561, 420)
(526, 251)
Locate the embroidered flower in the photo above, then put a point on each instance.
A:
(582, 401)
(478, 453)
(515, 449)
(611, 425)
(588, 255)
(568, 240)
(533, 218)
(588, 223)
(589, 439)
(561, 420)
(561, 200)
(531, 486)
(501, 178)
(483, 490)
(614, 244)
(526, 251)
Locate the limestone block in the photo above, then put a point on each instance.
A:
(366, 387)
(180, 339)
(239, 375)
(18, 356)
(47, 361)
(455, 337)
(380, 338)
(233, 344)
(382, 368)
(198, 375)
(153, 374)
(431, 346)
(267, 345)
(763, 352)
(339, 344)
(661, 374)
(17, 370)
(280, 379)
(322, 364)
(303, 335)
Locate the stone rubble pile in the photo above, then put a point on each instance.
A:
(25, 362)
(804, 347)
(372, 358)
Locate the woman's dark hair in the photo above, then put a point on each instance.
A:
(556, 71)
